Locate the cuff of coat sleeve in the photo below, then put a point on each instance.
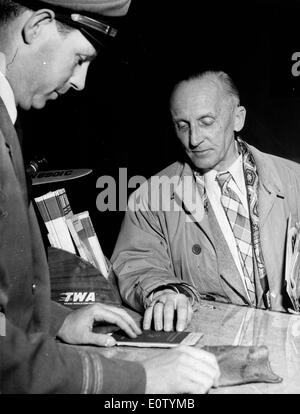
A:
(189, 291)
(58, 315)
(111, 376)
(123, 377)
(92, 382)
(183, 288)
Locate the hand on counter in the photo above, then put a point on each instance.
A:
(166, 307)
(181, 370)
(78, 325)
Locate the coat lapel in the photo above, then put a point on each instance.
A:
(269, 186)
(266, 199)
(188, 197)
(13, 145)
(230, 277)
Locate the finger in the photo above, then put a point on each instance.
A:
(200, 354)
(197, 376)
(148, 317)
(202, 381)
(168, 315)
(125, 315)
(190, 314)
(158, 316)
(99, 339)
(182, 313)
(201, 371)
(108, 315)
(121, 313)
(196, 384)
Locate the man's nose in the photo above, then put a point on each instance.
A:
(196, 136)
(77, 81)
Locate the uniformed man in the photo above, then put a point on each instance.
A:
(46, 48)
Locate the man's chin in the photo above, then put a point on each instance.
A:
(202, 165)
(38, 103)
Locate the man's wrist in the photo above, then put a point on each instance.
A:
(182, 288)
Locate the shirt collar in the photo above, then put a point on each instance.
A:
(6, 92)
(236, 170)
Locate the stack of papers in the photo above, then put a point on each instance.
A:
(71, 232)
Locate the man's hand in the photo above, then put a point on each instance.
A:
(78, 325)
(164, 307)
(181, 370)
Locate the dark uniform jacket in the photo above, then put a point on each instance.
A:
(31, 360)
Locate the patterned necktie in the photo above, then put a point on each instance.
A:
(240, 225)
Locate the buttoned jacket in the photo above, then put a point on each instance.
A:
(31, 359)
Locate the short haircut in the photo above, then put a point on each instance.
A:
(11, 9)
(229, 86)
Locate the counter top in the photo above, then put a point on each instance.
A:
(226, 324)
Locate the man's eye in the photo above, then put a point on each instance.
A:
(207, 121)
(80, 61)
(182, 126)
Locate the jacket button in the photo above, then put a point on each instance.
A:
(196, 249)
(33, 287)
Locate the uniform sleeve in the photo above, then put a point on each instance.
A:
(37, 364)
(40, 365)
(58, 315)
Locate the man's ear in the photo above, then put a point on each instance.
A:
(33, 26)
(239, 118)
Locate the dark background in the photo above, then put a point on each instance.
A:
(121, 119)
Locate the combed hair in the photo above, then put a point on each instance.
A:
(10, 9)
(229, 86)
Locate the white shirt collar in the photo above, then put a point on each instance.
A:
(6, 92)
(236, 170)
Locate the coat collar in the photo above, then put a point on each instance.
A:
(269, 178)
(187, 193)
(270, 184)
(6, 92)
(270, 187)
(13, 146)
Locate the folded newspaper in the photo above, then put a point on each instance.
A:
(292, 265)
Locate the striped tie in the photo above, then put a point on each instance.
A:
(240, 225)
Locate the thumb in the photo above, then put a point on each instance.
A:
(100, 339)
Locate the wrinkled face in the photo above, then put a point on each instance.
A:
(54, 63)
(205, 119)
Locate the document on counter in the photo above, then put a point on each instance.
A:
(158, 339)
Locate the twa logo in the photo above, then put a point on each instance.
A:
(77, 297)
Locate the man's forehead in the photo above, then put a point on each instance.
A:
(80, 45)
(195, 94)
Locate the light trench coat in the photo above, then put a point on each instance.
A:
(156, 246)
